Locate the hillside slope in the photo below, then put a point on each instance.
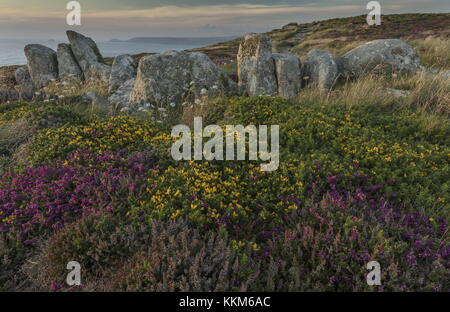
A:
(342, 34)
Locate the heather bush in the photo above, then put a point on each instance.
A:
(44, 199)
(12, 255)
(326, 245)
(160, 256)
(179, 258)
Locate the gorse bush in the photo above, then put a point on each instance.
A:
(40, 115)
(116, 133)
(383, 145)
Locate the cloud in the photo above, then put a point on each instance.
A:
(182, 17)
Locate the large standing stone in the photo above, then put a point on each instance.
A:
(123, 69)
(88, 57)
(67, 65)
(256, 68)
(42, 64)
(320, 69)
(381, 56)
(23, 79)
(171, 77)
(288, 73)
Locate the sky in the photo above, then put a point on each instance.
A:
(124, 19)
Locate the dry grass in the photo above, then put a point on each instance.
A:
(434, 52)
(13, 137)
(13, 134)
(190, 111)
(7, 79)
(71, 88)
(430, 92)
(365, 91)
(425, 91)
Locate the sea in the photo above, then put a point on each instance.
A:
(11, 50)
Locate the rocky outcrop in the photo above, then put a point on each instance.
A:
(380, 57)
(25, 84)
(95, 99)
(42, 64)
(173, 76)
(8, 96)
(320, 69)
(123, 69)
(398, 94)
(256, 68)
(67, 65)
(288, 74)
(121, 97)
(88, 57)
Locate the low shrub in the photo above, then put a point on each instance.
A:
(116, 133)
(160, 256)
(40, 115)
(179, 258)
